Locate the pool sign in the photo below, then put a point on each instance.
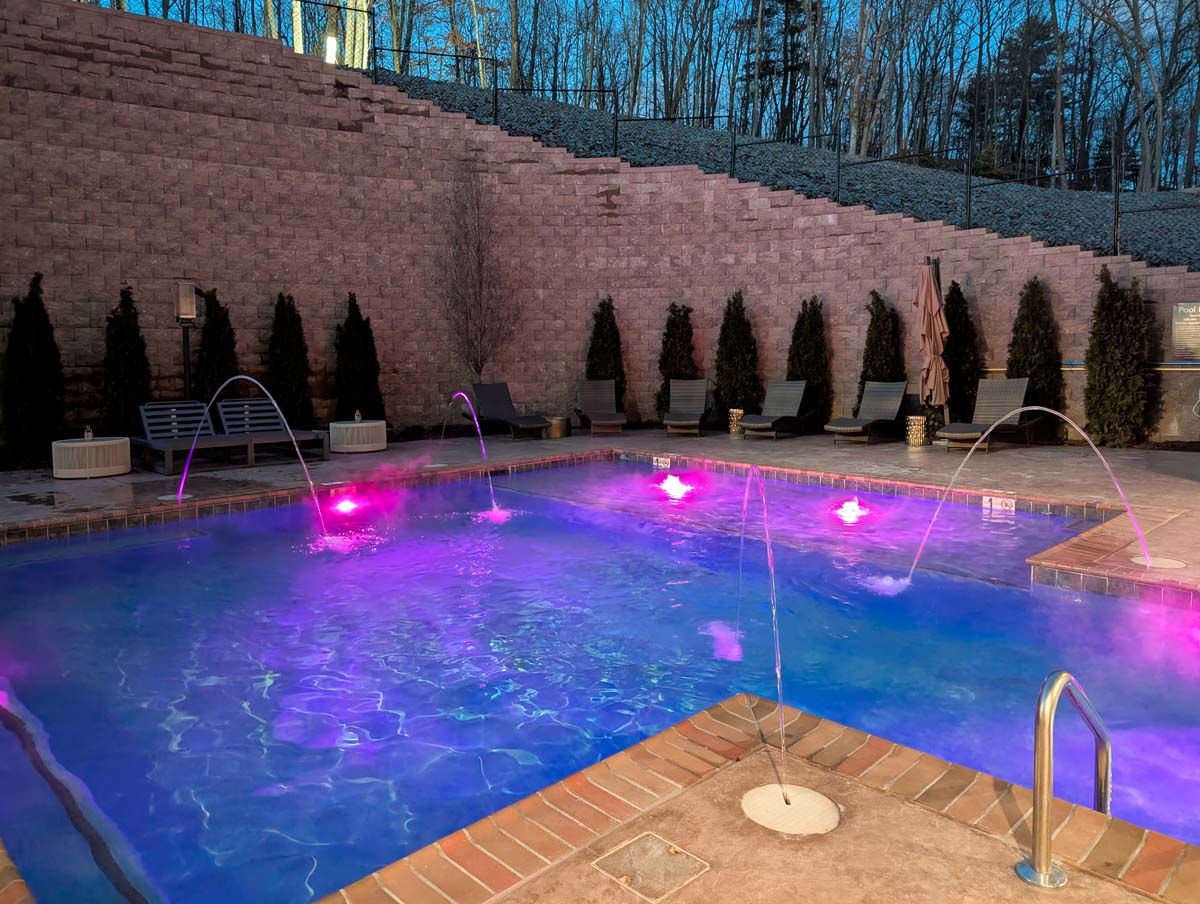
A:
(1185, 332)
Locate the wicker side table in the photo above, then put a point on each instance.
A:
(102, 456)
(559, 427)
(357, 436)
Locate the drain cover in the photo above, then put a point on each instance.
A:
(1158, 562)
(805, 813)
(650, 867)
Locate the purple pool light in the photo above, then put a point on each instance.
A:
(347, 505)
(675, 488)
(851, 511)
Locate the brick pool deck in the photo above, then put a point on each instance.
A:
(914, 828)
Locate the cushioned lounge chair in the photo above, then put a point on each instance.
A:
(259, 423)
(993, 400)
(170, 427)
(493, 403)
(598, 403)
(878, 409)
(687, 403)
(780, 410)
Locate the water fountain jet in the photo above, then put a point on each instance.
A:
(482, 447)
(312, 490)
(1146, 560)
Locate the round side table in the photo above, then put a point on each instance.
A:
(559, 427)
(357, 436)
(103, 456)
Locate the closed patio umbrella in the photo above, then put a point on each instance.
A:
(935, 376)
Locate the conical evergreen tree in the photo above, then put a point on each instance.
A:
(677, 359)
(357, 375)
(604, 360)
(883, 355)
(1119, 360)
(962, 356)
(33, 381)
(737, 383)
(288, 369)
(808, 360)
(1033, 351)
(126, 369)
(216, 360)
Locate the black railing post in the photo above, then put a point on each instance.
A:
(495, 94)
(837, 164)
(970, 170)
(1117, 172)
(374, 63)
(616, 137)
(733, 148)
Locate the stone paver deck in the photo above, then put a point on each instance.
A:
(914, 829)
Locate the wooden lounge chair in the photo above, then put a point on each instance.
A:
(780, 410)
(170, 426)
(993, 400)
(688, 398)
(258, 423)
(494, 403)
(598, 403)
(878, 409)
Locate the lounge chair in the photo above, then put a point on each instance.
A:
(598, 403)
(687, 403)
(493, 403)
(780, 410)
(993, 400)
(878, 409)
(258, 423)
(170, 427)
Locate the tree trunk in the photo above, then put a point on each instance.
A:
(514, 46)
(758, 45)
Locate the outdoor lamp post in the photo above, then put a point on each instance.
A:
(185, 315)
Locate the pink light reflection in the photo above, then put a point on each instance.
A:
(675, 488)
(346, 505)
(851, 511)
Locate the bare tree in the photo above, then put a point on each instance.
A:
(477, 298)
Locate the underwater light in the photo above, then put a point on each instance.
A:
(674, 487)
(851, 511)
(346, 505)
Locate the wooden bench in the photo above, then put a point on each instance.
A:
(258, 423)
(170, 427)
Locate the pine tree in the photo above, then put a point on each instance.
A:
(883, 355)
(808, 360)
(126, 369)
(357, 376)
(1119, 360)
(33, 381)
(677, 359)
(288, 369)
(962, 356)
(1033, 351)
(737, 383)
(604, 360)
(216, 361)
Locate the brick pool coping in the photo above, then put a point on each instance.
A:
(12, 887)
(1074, 564)
(513, 845)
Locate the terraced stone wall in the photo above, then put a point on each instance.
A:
(135, 151)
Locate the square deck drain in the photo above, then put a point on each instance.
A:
(650, 867)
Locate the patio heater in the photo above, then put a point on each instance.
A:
(185, 316)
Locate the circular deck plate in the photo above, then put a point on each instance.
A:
(808, 813)
(1158, 562)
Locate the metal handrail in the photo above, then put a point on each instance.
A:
(1039, 869)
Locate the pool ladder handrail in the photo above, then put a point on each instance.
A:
(1039, 868)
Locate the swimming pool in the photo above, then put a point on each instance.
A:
(263, 719)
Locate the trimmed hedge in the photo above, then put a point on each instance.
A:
(737, 383)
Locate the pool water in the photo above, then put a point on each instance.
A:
(263, 718)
